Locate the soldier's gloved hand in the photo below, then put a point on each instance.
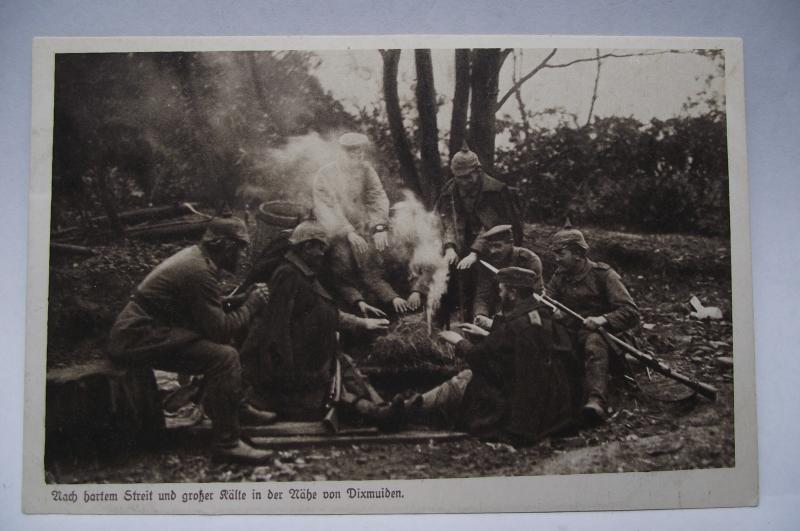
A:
(483, 321)
(594, 323)
(468, 261)
(400, 305)
(450, 336)
(474, 330)
(381, 240)
(357, 243)
(414, 301)
(375, 324)
(367, 310)
(451, 256)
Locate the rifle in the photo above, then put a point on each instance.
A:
(648, 360)
(331, 419)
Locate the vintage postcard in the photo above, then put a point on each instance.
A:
(388, 274)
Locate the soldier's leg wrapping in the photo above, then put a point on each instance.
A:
(596, 353)
(444, 400)
(219, 364)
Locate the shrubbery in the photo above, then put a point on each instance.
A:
(661, 176)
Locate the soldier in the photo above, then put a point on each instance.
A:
(175, 322)
(352, 206)
(471, 203)
(291, 351)
(595, 290)
(499, 250)
(515, 388)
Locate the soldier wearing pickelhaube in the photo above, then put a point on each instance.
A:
(595, 290)
(471, 203)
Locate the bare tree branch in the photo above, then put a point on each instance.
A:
(520, 104)
(594, 91)
(524, 78)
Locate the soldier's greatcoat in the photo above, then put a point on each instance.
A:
(495, 204)
(289, 354)
(519, 385)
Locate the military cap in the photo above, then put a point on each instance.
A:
(226, 227)
(566, 237)
(353, 140)
(307, 231)
(517, 277)
(464, 161)
(498, 233)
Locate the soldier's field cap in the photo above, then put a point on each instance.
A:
(517, 277)
(226, 227)
(566, 237)
(307, 231)
(498, 233)
(464, 161)
(353, 140)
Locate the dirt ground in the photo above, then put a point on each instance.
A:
(642, 433)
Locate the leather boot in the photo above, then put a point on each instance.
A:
(594, 411)
(250, 416)
(387, 417)
(242, 452)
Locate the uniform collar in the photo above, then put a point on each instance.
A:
(581, 273)
(522, 308)
(298, 262)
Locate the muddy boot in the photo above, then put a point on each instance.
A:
(387, 417)
(250, 416)
(241, 452)
(594, 411)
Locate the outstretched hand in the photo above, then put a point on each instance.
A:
(468, 261)
(451, 256)
(381, 240)
(414, 301)
(473, 330)
(376, 324)
(400, 305)
(367, 310)
(357, 243)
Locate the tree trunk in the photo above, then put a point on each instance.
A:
(402, 148)
(428, 128)
(486, 64)
(458, 120)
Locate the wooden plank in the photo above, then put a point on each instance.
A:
(404, 437)
(279, 429)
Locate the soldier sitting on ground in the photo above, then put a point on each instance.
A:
(516, 388)
(595, 290)
(175, 322)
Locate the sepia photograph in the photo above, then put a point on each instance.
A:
(301, 275)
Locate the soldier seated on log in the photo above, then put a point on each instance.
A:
(291, 353)
(516, 388)
(595, 290)
(496, 246)
(175, 321)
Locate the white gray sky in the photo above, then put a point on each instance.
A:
(642, 87)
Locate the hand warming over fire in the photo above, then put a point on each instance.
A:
(376, 324)
(400, 305)
(483, 321)
(468, 260)
(381, 240)
(367, 310)
(451, 256)
(474, 330)
(358, 243)
(414, 301)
